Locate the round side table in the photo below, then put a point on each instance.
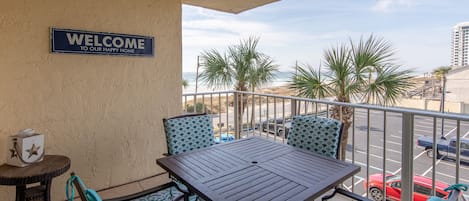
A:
(42, 172)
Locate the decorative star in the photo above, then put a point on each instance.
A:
(33, 150)
(13, 153)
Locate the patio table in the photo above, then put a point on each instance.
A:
(255, 168)
(43, 172)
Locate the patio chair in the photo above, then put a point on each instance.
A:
(163, 192)
(316, 134)
(186, 133)
(322, 136)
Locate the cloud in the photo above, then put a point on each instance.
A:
(222, 32)
(226, 25)
(215, 31)
(386, 6)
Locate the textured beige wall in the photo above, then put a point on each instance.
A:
(434, 105)
(411, 103)
(457, 86)
(104, 112)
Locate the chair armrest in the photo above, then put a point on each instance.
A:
(80, 189)
(454, 195)
(351, 195)
(146, 192)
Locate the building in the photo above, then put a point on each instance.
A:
(460, 45)
(457, 86)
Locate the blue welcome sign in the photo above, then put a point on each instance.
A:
(87, 42)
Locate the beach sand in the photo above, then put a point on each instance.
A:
(217, 105)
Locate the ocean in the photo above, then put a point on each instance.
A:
(281, 78)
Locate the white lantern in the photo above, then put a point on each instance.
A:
(25, 148)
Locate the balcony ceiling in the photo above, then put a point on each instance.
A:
(230, 6)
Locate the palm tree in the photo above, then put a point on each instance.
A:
(185, 84)
(242, 67)
(365, 71)
(440, 74)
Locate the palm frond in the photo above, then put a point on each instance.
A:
(389, 85)
(262, 72)
(216, 71)
(242, 66)
(338, 64)
(369, 55)
(308, 83)
(441, 71)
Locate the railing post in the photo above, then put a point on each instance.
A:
(195, 104)
(407, 175)
(293, 107)
(236, 109)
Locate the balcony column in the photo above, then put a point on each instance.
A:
(407, 173)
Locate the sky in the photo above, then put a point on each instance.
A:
(293, 31)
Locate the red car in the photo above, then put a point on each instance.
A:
(422, 187)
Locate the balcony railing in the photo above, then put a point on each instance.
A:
(382, 140)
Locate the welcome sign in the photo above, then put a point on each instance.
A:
(87, 42)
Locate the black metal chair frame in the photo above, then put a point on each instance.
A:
(81, 191)
(186, 194)
(337, 189)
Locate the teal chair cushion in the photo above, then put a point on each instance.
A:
(186, 133)
(317, 134)
(190, 132)
(454, 193)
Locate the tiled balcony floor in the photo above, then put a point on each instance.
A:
(155, 181)
(133, 187)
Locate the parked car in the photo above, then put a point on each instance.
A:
(445, 148)
(224, 137)
(276, 126)
(422, 187)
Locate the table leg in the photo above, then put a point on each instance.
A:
(20, 192)
(327, 197)
(47, 184)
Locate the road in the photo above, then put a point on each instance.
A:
(446, 169)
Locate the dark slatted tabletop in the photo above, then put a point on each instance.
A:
(257, 169)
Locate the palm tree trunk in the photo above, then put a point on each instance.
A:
(343, 114)
(252, 109)
(242, 102)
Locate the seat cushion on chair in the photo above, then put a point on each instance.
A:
(188, 133)
(316, 134)
(164, 195)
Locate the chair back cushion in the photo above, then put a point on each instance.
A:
(188, 132)
(316, 134)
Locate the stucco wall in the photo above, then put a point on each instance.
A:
(457, 86)
(434, 105)
(104, 112)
